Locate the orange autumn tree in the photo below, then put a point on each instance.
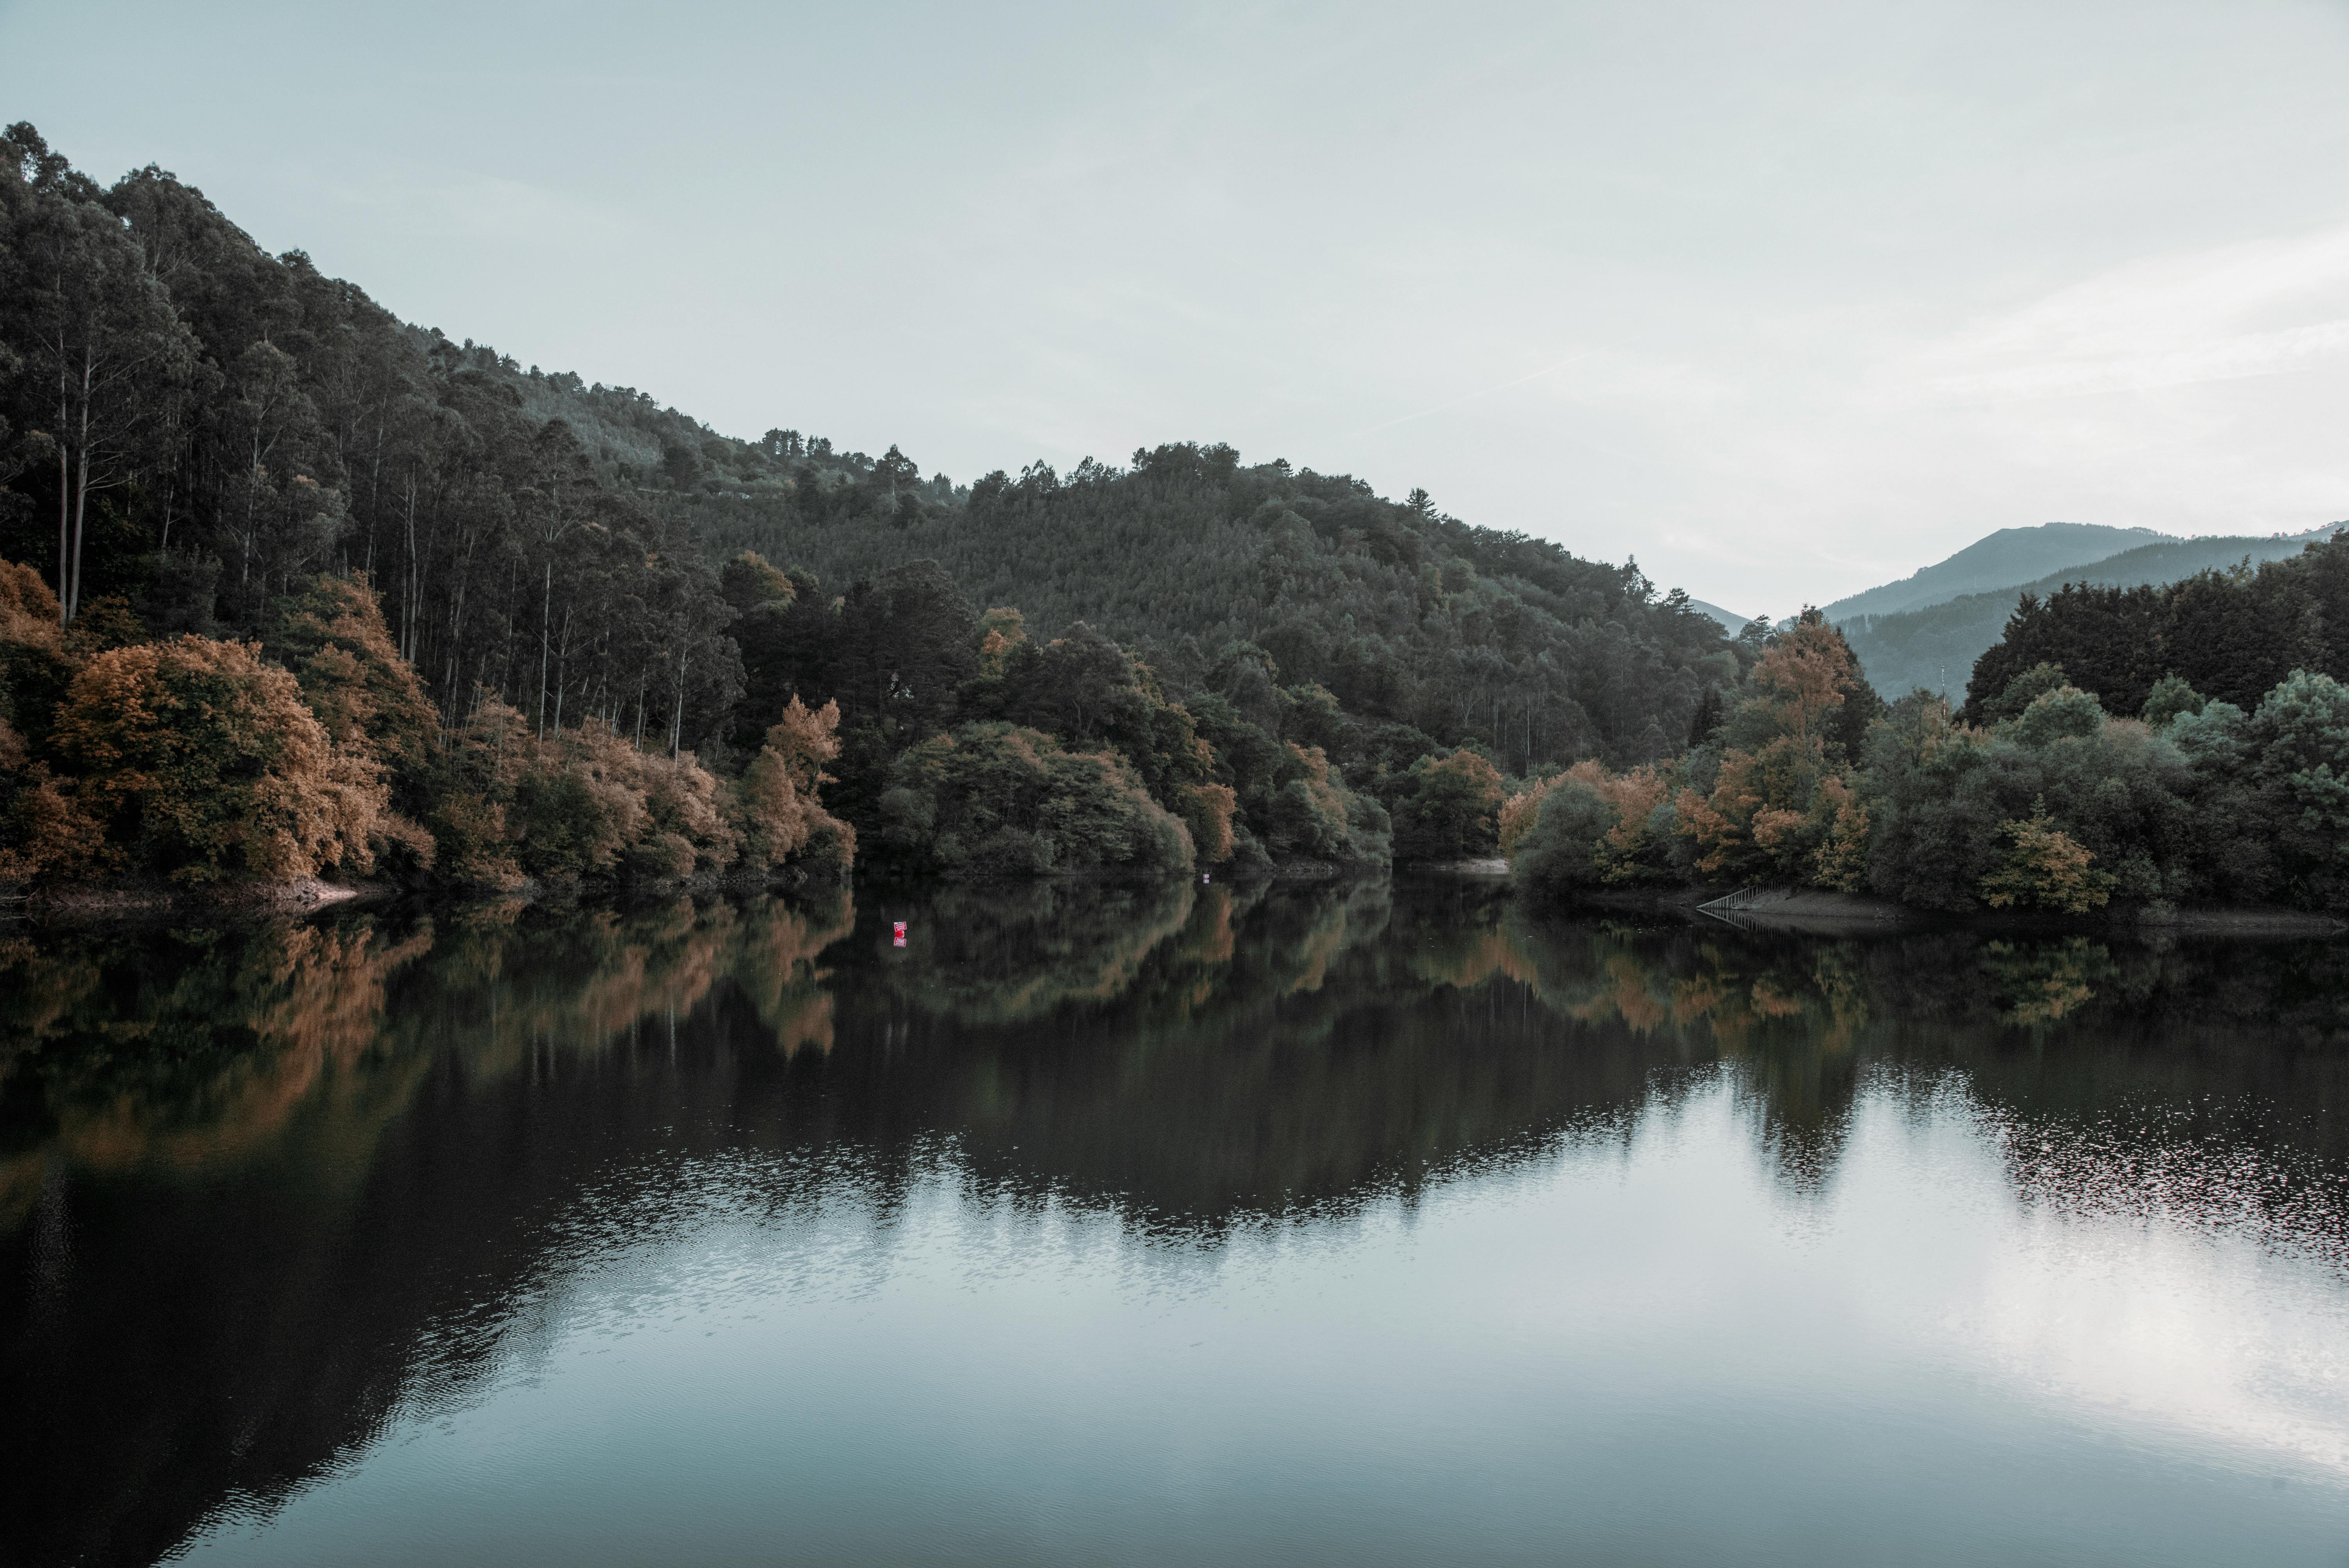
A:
(1782, 808)
(32, 658)
(40, 831)
(332, 636)
(582, 803)
(576, 803)
(197, 759)
(1209, 810)
(781, 819)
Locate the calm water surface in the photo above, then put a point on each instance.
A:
(1175, 1224)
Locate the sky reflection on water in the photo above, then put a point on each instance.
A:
(1165, 1224)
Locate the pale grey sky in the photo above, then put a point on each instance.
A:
(1786, 300)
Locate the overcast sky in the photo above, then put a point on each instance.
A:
(1785, 300)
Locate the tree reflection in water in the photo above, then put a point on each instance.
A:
(258, 1186)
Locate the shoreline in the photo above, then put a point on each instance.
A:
(135, 903)
(1816, 912)
(132, 901)
(1792, 910)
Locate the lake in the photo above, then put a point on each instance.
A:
(1168, 1224)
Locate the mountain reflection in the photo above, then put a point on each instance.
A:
(253, 1181)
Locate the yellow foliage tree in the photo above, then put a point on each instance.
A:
(1841, 859)
(2045, 867)
(473, 783)
(1522, 810)
(1802, 676)
(1001, 630)
(1627, 850)
(586, 802)
(1454, 808)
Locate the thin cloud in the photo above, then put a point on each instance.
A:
(2214, 315)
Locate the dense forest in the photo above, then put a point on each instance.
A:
(2231, 635)
(297, 586)
(1934, 644)
(2156, 747)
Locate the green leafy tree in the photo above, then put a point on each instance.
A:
(1453, 811)
(2170, 697)
(2024, 689)
(2297, 746)
(995, 798)
(1558, 856)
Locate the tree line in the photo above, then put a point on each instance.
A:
(2163, 746)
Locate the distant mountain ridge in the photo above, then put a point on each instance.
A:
(1731, 621)
(1995, 561)
(1934, 644)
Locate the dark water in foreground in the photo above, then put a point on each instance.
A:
(1168, 1226)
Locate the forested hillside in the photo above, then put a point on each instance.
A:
(2230, 635)
(1935, 647)
(209, 448)
(1400, 612)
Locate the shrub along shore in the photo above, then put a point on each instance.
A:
(198, 763)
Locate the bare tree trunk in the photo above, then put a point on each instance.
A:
(506, 645)
(252, 496)
(81, 507)
(81, 485)
(562, 668)
(408, 619)
(545, 611)
(65, 533)
(676, 719)
(170, 493)
(64, 484)
(375, 500)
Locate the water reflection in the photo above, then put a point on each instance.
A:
(264, 1192)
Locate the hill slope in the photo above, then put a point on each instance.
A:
(1994, 562)
(556, 545)
(1405, 614)
(1731, 621)
(1935, 646)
